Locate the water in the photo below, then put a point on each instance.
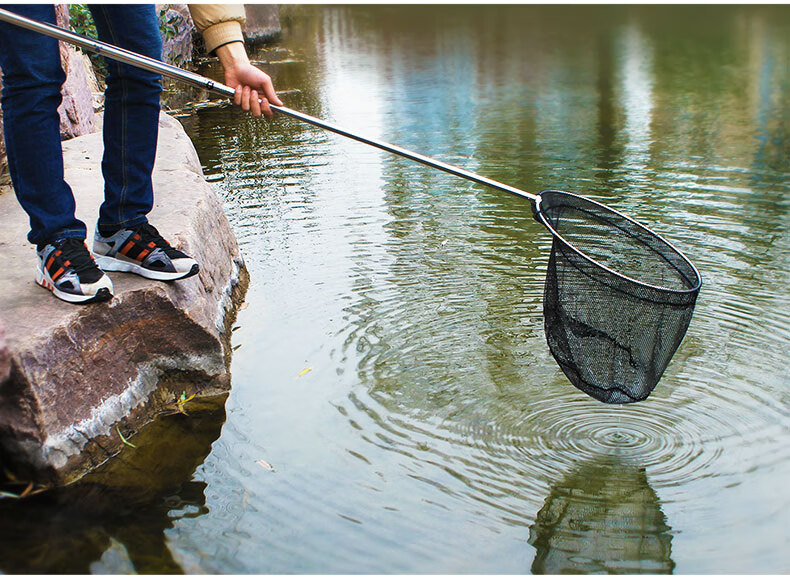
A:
(433, 432)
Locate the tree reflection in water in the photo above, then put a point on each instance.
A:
(130, 501)
(602, 518)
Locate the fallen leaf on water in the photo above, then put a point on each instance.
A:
(304, 372)
(265, 464)
(124, 439)
(27, 491)
(184, 399)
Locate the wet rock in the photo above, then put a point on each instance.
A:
(263, 23)
(82, 376)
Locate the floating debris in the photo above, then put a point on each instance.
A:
(194, 107)
(265, 465)
(125, 441)
(304, 372)
(27, 491)
(276, 62)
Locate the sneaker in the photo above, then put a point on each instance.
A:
(141, 250)
(66, 268)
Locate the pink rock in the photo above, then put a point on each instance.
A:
(5, 178)
(177, 41)
(5, 357)
(77, 115)
(263, 22)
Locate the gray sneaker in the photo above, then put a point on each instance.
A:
(66, 268)
(141, 250)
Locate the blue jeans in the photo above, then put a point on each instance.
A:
(32, 78)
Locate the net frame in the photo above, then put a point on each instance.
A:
(612, 334)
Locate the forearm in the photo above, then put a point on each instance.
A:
(232, 55)
(219, 24)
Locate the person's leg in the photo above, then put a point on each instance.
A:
(32, 78)
(131, 117)
(124, 240)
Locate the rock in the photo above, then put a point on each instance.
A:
(77, 114)
(77, 111)
(177, 44)
(263, 23)
(5, 356)
(5, 178)
(83, 375)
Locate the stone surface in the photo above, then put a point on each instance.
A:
(177, 44)
(77, 114)
(5, 178)
(77, 111)
(80, 375)
(263, 23)
(5, 356)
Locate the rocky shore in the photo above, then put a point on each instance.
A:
(76, 381)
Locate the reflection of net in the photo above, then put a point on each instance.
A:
(604, 518)
(618, 298)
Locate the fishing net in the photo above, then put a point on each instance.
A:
(618, 298)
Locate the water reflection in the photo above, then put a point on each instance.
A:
(116, 518)
(434, 430)
(602, 518)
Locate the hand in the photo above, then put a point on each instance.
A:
(254, 88)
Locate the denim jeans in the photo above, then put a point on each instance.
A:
(32, 78)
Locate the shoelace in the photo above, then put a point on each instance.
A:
(148, 233)
(74, 250)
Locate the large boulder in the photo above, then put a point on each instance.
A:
(5, 356)
(83, 378)
(80, 94)
(77, 114)
(5, 178)
(263, 23)
(178, 27)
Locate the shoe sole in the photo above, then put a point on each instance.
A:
(110, 264)
(102, 295)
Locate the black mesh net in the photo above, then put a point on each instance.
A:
(618, 298)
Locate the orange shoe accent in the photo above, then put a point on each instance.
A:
(129, 245)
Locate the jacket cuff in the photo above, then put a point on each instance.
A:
(222, 33)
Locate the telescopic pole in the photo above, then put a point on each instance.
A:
(196, 80)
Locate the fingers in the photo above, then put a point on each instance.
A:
(257, 101)
(245, 98)
(250, 100)
(268, 90)
(264, 107)
(255, 104)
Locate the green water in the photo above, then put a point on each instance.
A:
(433, 432)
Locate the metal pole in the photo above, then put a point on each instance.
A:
(196, 80)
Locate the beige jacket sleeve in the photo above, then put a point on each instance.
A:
(219, 23)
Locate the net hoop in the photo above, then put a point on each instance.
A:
(546, 222)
